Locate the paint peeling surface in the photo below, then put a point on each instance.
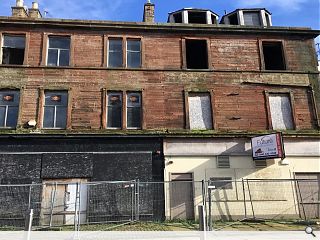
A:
(200, 111)
(281, 112)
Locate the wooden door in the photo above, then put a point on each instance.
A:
(181, 196)
(308, 192)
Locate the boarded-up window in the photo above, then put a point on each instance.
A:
(252, 18)
(281, 111)
(200, 113)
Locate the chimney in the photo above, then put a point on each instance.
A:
(148, 14)
(34, 12)
(19, 10)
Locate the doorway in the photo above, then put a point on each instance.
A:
(182, 196)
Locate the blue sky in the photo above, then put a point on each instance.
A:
(284, 12)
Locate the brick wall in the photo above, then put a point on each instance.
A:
(235, 60)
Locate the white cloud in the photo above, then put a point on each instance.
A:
(288, 5)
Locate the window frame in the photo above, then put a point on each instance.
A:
(26, 47)
(59, 50)
(141, 109)
(284, 54)
(187, 92)
(127, 51)
(41, 105)
(124, 51)
(20, 92)
(107, 106)
(184, 54)
(108, 51)
(292, 103)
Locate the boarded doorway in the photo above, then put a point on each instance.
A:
(62, 200)
(308, 191)
(181, 196)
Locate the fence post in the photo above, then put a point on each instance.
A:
(254, 216)
(137, 197)
(244, 199)
(210, 207)
(29, 219)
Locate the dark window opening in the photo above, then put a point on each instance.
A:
(197, 54)
(133, 53)
(273, 56)
(197, 17)
(213, 19)
(13, 50)
(114, 110)
(134, 110)
(177, 17)
(252, 18)
(233, 19)
(221, 182)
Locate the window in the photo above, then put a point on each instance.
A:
(223, 162)
(273, 56)
(55, 109)
(133, 53)
(197, 17)
(281, 111)
(13, 49)
(134, 110)
(233, 19)
(115, 55)
(252, 18)
(200, 113)
(196, 54)
(9, 108)
(177, 17)
(58, 51)
(221, 182)
(114, 110)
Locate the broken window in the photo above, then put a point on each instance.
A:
(114, 110)
(200, 112)
(273, 56)
(13, 49)
(252, 18)
(281, 111)
(115, 56)
(9, 108)
(233, 19)
(58, 51)
(196, 54)
(177, 17)
(134, 53)
(197, 17)
(134, 110)
(55, 109)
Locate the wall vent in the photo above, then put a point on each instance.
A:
(223, 162)
(260, 163)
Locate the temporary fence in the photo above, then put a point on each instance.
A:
(59, 204)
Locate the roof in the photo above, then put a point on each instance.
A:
(93, 25)
(244, 9)
(194, 9)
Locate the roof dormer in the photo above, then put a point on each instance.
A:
(259, 17)
(193, 16)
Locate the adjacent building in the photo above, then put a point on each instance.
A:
(89, 101)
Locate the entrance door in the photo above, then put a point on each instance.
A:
(62, 200)
(181, 196)
(308, 192)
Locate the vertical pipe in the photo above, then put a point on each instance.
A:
(29, 200)
(254, 217)
(244, 199)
